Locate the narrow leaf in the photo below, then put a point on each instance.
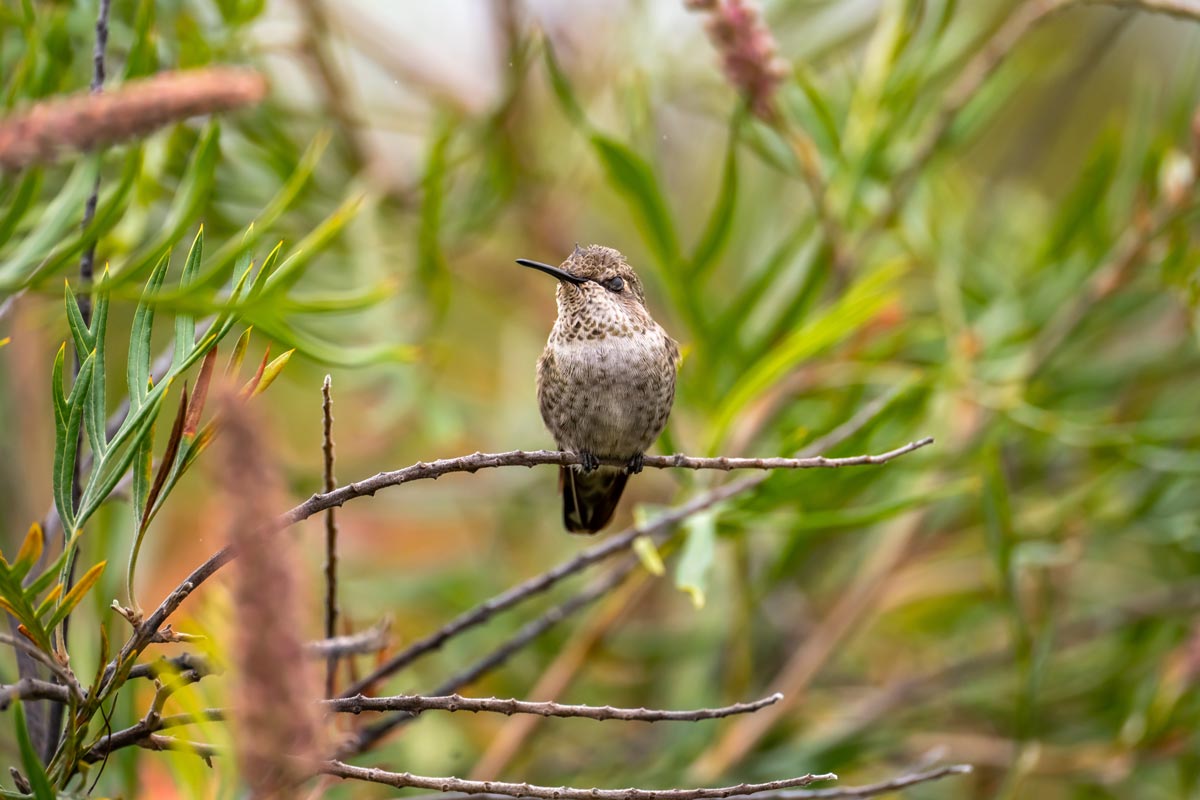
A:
(271, 372)
(138, 368)
(720, 222)
(51, 599)
(699, 550)
(97, 417)
(79, 329)
(634, 180)
(34, 771)
(239, 353)
(30, 552)
(72, 598)
(203, 380)
(185, 324)
(168, 459)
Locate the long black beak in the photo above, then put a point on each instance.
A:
(561, 274)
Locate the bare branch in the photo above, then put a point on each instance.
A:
(331, 531)
(404, 780)
(371, 640)
(32, 689)
(417, 704)
(870, 789)
(199, 666)
(64, 674)
(522, 458)
(847, 792)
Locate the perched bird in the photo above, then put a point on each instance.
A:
(605, 382)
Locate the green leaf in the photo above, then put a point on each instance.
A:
(80, 334)
(720, 222)
(104, 478)
(55, 224)
(561, 87)
(30, 552)
(432, 269)
(185, 324)
(271, 372)
(317, 239)
(140, 355)
(860, 303)
(188, 202)
(634, 180)
(239, 353)
(96, 420)
(26, 193)
(68, 416)
(34, 770)
(72, 598)
(699, 550)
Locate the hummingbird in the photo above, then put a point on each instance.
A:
(605, 382)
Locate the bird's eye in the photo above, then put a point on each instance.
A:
(614, 284)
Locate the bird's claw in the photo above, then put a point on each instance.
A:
(589, 461)
(634, 465)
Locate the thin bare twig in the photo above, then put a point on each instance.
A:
(331, 534)
(872, 789)
(848, 792)
(417, 704)
(531, 458)
(403, 780)
(372, 640)
(147, 725)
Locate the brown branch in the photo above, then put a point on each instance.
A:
(331, 533)
(405, 780)
(372, 640)
(417, 704)
(88, 122)
(32, 689)
(63, 673)
(848, 792)
(870, 789)
(532, 458)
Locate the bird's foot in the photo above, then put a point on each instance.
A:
(634, 465)
(589, 461)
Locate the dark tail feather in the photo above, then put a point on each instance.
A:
(590, 499)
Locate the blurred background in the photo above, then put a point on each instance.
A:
(1001, 252)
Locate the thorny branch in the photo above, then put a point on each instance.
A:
(403, 780)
